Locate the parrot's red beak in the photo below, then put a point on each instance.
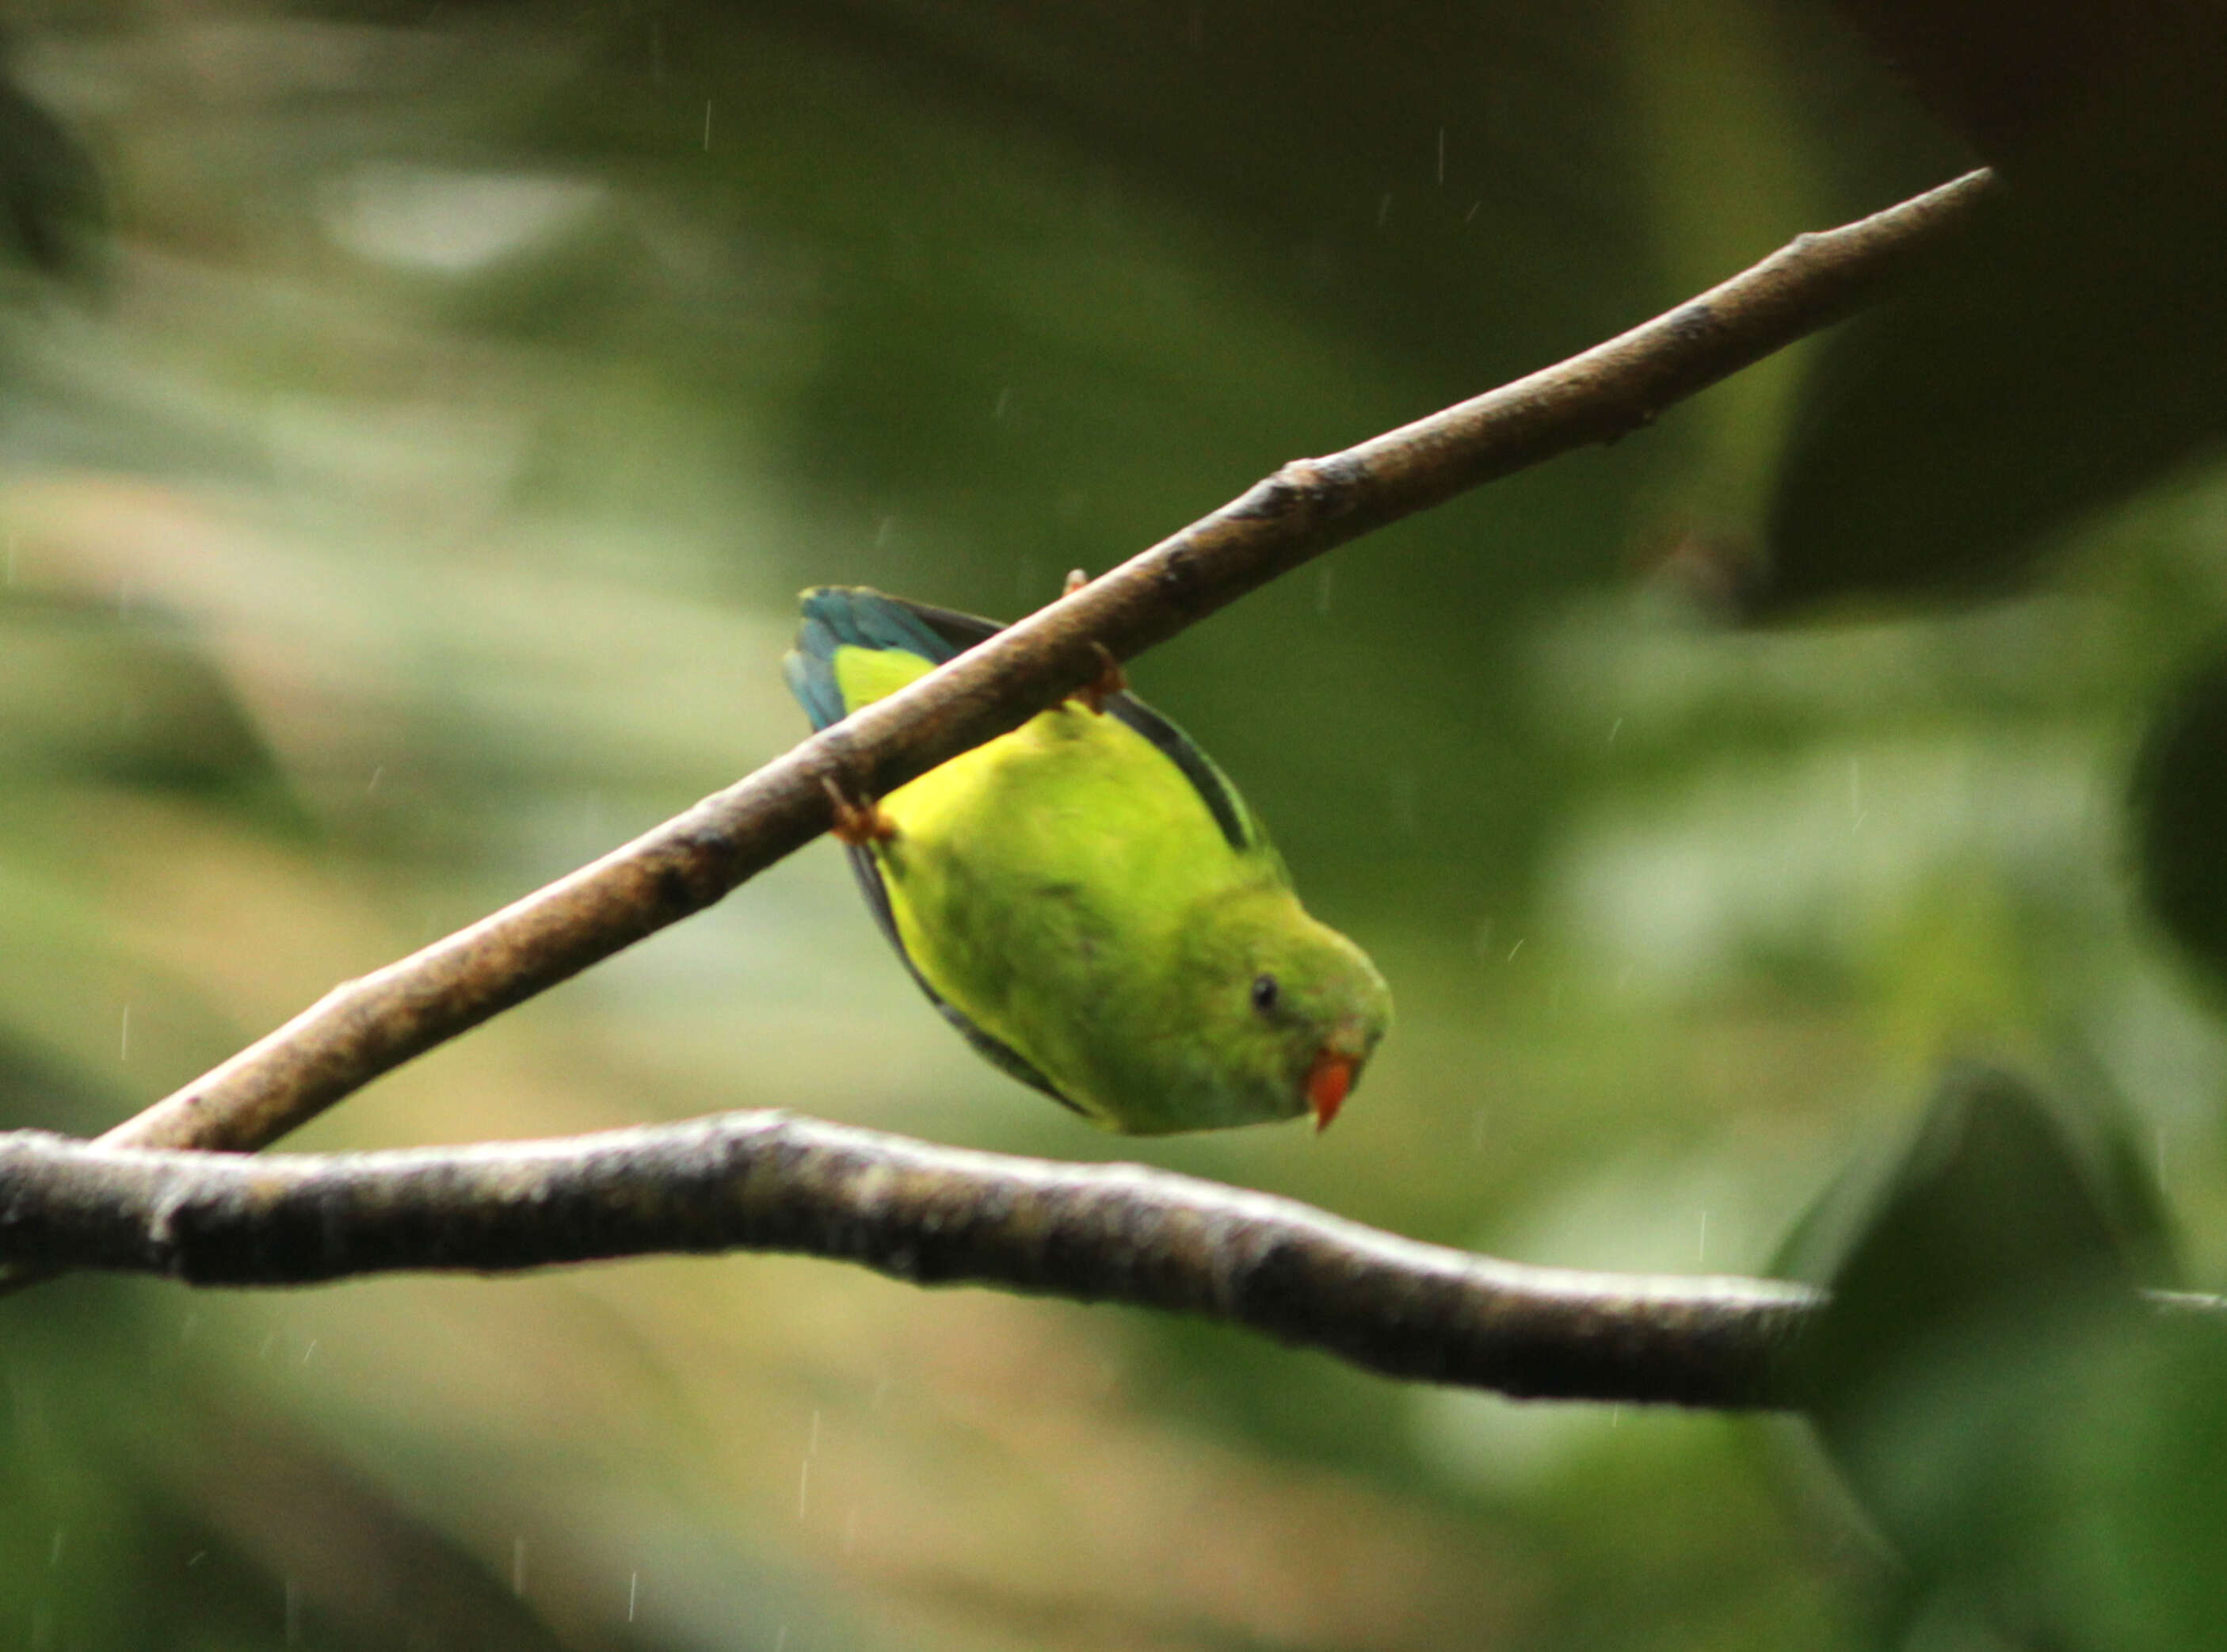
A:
(1328, 1081)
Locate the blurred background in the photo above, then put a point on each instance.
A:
(415, 422)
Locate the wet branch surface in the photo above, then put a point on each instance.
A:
(369, 1026)
(932, 1215)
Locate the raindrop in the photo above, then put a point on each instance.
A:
(634, 1591)
(1702, 1250)
(54, 1549)
(707, 126)
(1442, 155)
(1322, 590)
(1383, 209)
(803, 1486)
(123, 1037)
(1614, 730)
(518, 1566)
(1472, 212)
(1004, 400)
(1517, 948)
(882, 533)
(377, 770)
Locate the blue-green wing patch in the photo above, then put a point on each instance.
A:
(853, 617)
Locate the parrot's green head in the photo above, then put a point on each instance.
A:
(1284, 1011)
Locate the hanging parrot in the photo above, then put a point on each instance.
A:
(1089, 901)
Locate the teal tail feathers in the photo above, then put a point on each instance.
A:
(857, 616)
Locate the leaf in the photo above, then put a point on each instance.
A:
(1997, 1200)
(2179, 804)
(1983, 1288)
(53, 208)
(2011, 77)
(2070, 348)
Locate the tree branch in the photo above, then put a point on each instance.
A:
(368, 1026)
(932, 1216)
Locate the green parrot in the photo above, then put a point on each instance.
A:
(1089, 901)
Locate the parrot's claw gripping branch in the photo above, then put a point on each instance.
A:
(860, 823)
(1110, 680)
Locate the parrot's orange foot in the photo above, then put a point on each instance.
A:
(1110, 680)
(858, 824)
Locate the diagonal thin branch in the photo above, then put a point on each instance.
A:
(368, 1026)
(933, 1216)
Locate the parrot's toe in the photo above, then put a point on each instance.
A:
(858, 824)
(1110, 680)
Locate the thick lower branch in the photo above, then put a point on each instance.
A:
(936, 1216)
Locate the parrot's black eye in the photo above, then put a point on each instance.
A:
(1265, 993)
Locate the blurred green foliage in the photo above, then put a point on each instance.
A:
(2061, 354)
(413, 508)
(2040, 1446)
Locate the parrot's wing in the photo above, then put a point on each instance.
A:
(999, 1054)
(1239, 829)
